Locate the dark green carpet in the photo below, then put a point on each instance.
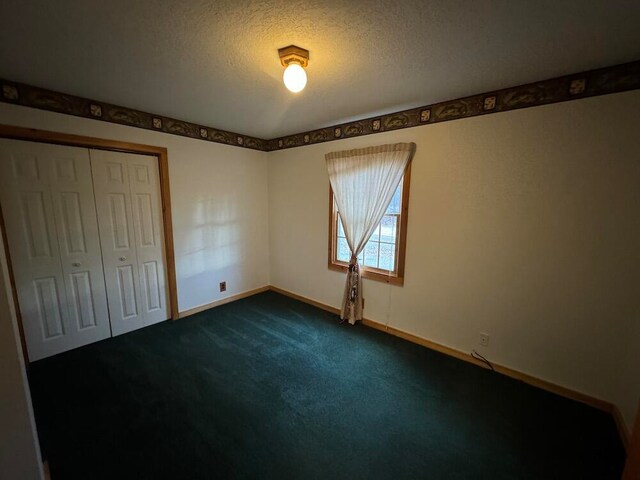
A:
(271, 388)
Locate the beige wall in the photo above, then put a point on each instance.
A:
(19, 450)
(522, 224)
(219, 204)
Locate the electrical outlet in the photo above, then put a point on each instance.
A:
(484, 339)
(223, 286)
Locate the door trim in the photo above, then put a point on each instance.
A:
(45, 136)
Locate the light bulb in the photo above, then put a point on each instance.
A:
(295, 78)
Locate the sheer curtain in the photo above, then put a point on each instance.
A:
(363, 182)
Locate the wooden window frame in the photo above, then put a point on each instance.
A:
(44, 136)
(394, 278)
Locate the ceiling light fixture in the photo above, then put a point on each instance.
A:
(295, 60)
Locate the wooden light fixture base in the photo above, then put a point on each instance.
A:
(293, 54)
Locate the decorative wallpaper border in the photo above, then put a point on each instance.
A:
(29, 96)
(618, 78)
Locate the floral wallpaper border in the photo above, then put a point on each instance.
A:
(618, 78)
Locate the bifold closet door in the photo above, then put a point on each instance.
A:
(127, 189)
(49, 212)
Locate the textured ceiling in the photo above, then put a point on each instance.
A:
(216, 63)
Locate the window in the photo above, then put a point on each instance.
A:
(383, 256)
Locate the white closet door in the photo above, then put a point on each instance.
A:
(113, 202)
(147, 223)
(77, 228)
(128, 201)
(49, 213)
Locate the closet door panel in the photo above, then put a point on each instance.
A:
(147, 220)
(56, 307)
(81, 258)
(33, 246)
(117, 237)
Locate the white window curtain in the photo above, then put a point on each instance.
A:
(363, 182)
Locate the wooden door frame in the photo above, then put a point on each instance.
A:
(632, 468)
(45, 136)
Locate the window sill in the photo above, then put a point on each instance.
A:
(370, 274)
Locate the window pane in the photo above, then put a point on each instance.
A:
(380, 249)
(387, 256)
(340, 229)
(389, 229)
(371, 254)
(396, 201)
(343, 254)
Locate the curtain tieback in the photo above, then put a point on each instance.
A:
(353, 264)
(354, 273)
